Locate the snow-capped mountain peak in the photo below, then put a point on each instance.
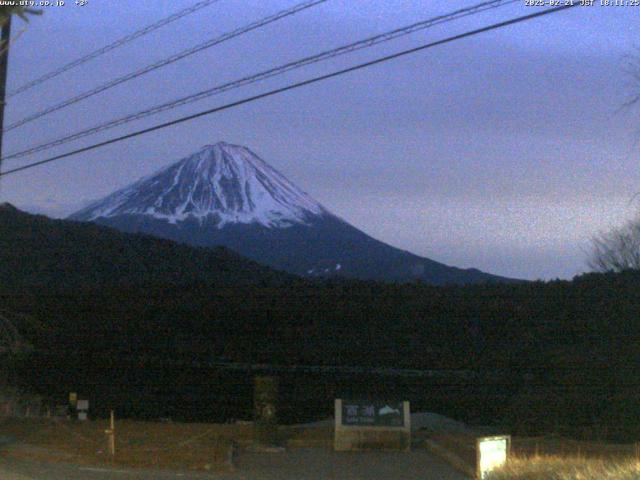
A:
(221, 184)
(226, 196)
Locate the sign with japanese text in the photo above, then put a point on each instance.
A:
(365, 413)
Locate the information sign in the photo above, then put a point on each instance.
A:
(365, 413)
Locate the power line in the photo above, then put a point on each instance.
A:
(167, 61)
(112, 46)
(349, 48)
(270, 93)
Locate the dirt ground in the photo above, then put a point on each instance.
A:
(189, 447)
(49, 449)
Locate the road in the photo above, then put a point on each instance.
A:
(297, 464)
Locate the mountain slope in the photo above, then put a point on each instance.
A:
(225, 195)
(37, 252)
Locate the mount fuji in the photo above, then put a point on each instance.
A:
(225, 195)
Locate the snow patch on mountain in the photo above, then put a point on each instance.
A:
(222, 184)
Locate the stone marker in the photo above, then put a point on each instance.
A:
(265, 398)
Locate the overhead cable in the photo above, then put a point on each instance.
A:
(167, 61)
(272, 72)
(293, 86)
(112, 46)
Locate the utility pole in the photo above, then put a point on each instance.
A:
(4, 64)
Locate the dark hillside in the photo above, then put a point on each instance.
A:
(59, 255)
(559, 356)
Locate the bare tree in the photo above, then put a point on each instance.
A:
(617, 249)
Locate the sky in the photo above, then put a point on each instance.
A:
(506, 151)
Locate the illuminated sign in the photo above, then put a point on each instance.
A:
(492, 453)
